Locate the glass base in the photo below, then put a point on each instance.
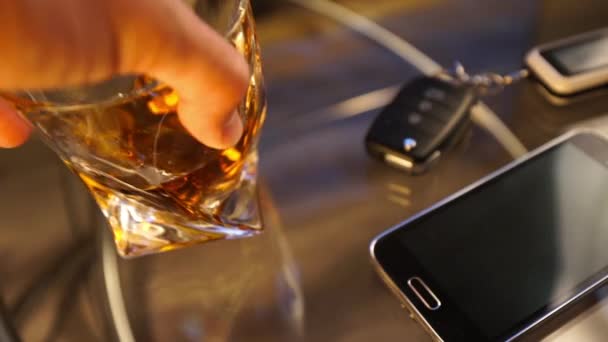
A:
(140, 228)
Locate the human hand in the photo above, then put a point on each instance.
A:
(52, 44)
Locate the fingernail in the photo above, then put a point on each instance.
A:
(14, 129)
(233, 130)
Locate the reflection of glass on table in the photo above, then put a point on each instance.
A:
(229, 291)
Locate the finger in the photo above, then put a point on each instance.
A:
(210, 76)
(14, 130)
(67, 42)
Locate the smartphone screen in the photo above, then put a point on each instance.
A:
(579, 57)
(517, 246)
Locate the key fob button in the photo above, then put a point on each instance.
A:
(425, 106)
(414, 118)
(425, 123)
(441, 113)
(435, 94)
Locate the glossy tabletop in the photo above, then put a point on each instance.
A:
(308, 278)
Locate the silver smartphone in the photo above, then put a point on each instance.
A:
(499, 258)
(572, 65)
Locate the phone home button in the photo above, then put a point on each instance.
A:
(424, 293)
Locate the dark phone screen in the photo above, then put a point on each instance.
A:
(581, 56)
(520, 242)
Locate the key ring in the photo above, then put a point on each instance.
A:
(488, 83)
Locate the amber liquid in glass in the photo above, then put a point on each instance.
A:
(159, 188)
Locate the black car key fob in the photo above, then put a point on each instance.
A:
(423, 119)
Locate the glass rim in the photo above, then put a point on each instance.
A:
(241, 8)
